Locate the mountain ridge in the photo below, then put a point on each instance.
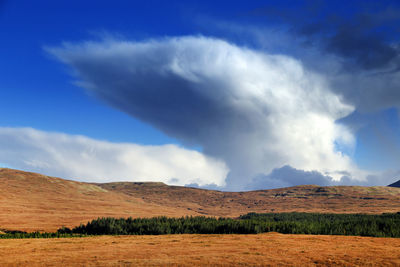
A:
(31, 201)
(395, 184)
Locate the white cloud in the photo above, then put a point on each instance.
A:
(255, 111)
(83, 158)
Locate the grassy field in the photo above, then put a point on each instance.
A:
(217, 250)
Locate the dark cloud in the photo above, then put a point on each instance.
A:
(364, 35)
(356, 44)
(288, 176)
(364, 40)
(382, 179)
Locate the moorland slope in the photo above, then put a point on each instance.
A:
(31, 201)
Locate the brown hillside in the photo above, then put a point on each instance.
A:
(30, 201)
(307, 198)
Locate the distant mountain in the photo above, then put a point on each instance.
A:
(31, 201)
(395, 184)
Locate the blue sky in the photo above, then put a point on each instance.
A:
(54, 87)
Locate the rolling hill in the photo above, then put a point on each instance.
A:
(395, 184)
(31, 201)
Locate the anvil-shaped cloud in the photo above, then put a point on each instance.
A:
(253, 110)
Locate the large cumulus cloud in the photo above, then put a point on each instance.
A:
(80, 157)
(255, 111)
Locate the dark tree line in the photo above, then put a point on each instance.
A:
(384, 225)
(21, 234)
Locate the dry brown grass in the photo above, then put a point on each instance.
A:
(306, 198)
(30, 201)
(270, 249)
